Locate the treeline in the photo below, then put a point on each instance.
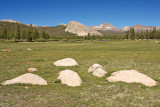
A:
(88, 37)
(30, 34)
(148, 34)
(20, 32)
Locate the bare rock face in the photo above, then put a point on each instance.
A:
(105, 27)
(26, 79)
(126, 28)
(158, 28)
(97, 70)
(80, 29)
(131, 76)
(70, 78)
(66, 62)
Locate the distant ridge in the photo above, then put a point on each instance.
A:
(105, 27)
(9, 20)
(139, 28)
(74, 28)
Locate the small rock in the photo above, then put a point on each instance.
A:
(70, 78)
(26, 88)
(97, 70)
(31, 69)
(29, 49)
(66, 62)
(6, 50)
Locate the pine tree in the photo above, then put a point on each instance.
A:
(127, 35)
(43, 34)
(89, 36)
(28, 36)
(31, 29)
(35, 34)
(132, 33)
(23, 35)
(141, 35)
(17, 34)
(147, 34)
(154, 33)
(29, 33)
(4, 32)
(47, 36)
(12, 35)
(158, 34)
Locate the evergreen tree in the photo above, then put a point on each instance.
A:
(147, 34)
(28, 36)
(89, 36)
(31, 29)
(4, 32)
(35, 34)
(29, 33)
(12, 35)
(141, 35)
(23, 35)
(45, 35)
(17, 34)
(154, 33)
(158, 35)
(137, 35)
(93, 37)
(127, 35)
(132, 33)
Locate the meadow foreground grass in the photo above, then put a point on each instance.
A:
(143, 56)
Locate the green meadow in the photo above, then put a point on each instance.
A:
(143, 56)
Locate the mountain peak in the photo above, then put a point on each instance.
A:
(80, 29)
(138, 25)
(106, 24)
(105, 27)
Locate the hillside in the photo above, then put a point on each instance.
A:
(11, 26)
(55, 31)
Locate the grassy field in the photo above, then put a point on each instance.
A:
(143, 56)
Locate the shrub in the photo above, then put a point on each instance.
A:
(41, 40)
(57, 81)
(53, 40)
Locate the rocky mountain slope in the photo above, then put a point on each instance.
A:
(139, 28)
(80, 29)
(105, 27)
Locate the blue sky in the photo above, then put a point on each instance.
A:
(120, 13)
